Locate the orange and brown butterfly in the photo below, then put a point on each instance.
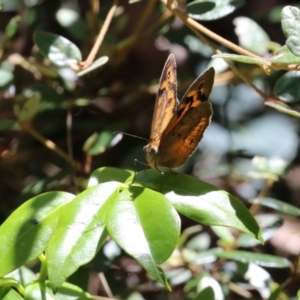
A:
(177, 127)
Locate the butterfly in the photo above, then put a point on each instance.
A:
(177, 127)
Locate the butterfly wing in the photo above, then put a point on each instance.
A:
(165, 106)
(186, 128)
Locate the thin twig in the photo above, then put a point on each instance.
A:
(192, 23)
(136, 35)
(201, 32)
(100, 37)
(27, 127)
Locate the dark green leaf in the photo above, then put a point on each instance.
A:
(22, 239)
(207, 294)
(99, 143)
(5, 124)
(29, 109)
(287, 87)
(50, 99)
(57, 49)
(197, 8)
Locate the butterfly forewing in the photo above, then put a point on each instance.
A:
(166, 102)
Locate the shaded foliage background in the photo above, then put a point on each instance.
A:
(120, 96)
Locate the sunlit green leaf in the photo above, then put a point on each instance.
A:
(80, 232)
(146, 226)
(285, 56)
(291, 28)
(106, 174)
(59, 50)
(221, 9)
(95, 65)
(41, 290)
(201, 201)
(251, 36)
(26, 232)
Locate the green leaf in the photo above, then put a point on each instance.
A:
(287, 87)
(260, 259)
(207, 294)
(59, 50)
(221, 9)
(284, 56)
(29, 109)
(7, 293)
(99, 143)
(26, 232)
(251, 36)
(207, 281)
(197, 8)
(277, 205)
(41, 290)
(268, 223)
(146, 226)
(242, 58)
(80, 232)
(50, 98)
(201, 201)
(12, 27)
(216, 208)
(22, 275)
(281, 107)
(274, 165)
(6, 124)
(106, 174)
(95, 65)
(290, 22)
(5, 77)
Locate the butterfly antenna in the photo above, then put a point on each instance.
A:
(135, 136)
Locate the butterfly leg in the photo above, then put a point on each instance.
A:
(162, 178)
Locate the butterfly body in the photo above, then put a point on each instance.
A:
(177, 127)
